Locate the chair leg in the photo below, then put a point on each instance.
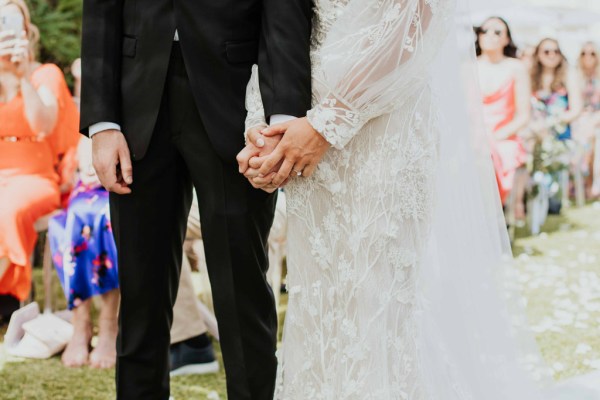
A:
(565, 186)
(47, 277)
(579, 187)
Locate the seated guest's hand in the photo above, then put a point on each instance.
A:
(297, 154)
(14, 53)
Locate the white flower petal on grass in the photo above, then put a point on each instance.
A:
(583, 348)
(595, 364)
(558, 367)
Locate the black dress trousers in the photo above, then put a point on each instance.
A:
(149, 226)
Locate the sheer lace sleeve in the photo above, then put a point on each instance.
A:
(375, 53)
(254, 105)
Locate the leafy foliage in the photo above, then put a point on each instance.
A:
(59, 22)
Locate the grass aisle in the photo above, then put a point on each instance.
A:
(560, 275)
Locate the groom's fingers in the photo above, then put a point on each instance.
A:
(256, 162)
(244, 157)
(260, 183)
(256, 138)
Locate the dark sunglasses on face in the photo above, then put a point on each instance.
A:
(588, 53)
(551, 51)
(496, 32)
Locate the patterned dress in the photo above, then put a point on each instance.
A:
(547, 105)
(83, 247)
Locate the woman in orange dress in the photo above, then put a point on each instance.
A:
(506, 88)
(38, 128)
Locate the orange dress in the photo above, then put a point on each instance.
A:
(507, 154)
(29, 182)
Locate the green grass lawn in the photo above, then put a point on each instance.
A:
(560, 274)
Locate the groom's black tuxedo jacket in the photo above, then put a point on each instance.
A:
(126, 50)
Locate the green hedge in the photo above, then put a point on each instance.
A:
(59, 22)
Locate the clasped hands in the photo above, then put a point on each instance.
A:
(276, 154)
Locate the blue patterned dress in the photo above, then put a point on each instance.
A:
(83, 247)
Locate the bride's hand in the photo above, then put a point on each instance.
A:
(298, 152)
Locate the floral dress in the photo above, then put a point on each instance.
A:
(83, 247)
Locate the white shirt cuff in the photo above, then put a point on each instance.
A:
(280, 119)
(102, 126)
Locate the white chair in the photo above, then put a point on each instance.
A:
(537, 207)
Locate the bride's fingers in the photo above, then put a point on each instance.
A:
(284, 172)
(271, 161)
(275, 130)
(308, 170)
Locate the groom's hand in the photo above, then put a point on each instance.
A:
(257, 146)
(298, 153)
(112, 162)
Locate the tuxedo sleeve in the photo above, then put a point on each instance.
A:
(284, 57)
(101, 62)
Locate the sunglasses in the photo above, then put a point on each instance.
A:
(551, 52)
(496, 32)
(588, 53)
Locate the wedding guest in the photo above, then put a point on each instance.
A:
(506, 88)
(39, 127)
(588, 125)
(557, 102)
(84, 253)
(556, 90)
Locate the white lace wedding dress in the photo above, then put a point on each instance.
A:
(358, 228)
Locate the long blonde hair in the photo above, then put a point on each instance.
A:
(560, 73)
(580, 67)
(32, 31)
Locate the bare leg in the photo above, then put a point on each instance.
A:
(520, 188)
(4, 263)
(105, 353)
(77, 351)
